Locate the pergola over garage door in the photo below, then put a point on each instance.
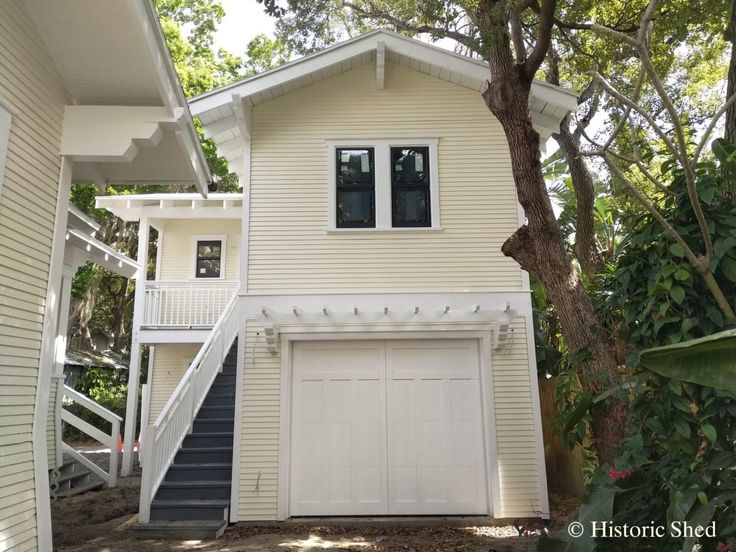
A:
(390, 427)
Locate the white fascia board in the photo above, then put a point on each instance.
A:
(172, 93)
(475, 71)
(101, 254)
(79, 220)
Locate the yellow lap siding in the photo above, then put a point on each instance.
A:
(169, 364)
(290, 250)
(27, 210)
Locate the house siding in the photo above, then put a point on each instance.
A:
(169, 364)
(27, 210)
(517, 458)
(290, 249)
(177, 252)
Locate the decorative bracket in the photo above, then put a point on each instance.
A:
(271, 332)
(502, 336)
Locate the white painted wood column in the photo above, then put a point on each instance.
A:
(63, 324)
(47, 357)
(134, 371)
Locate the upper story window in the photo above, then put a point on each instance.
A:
(356, 193)
(209, 259)
(383, 184)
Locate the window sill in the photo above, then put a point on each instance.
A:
(382, 230)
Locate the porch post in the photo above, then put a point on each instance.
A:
(62, 326)
(134, 372)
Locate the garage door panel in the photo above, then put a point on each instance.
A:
(343, 391)
(394, 427)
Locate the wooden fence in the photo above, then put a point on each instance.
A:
(564, 466)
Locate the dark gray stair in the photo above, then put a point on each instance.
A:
(193, 501)
(216, 412)
(210, 455)
(196, 490)
(190, 509)
(211, 425)
(170, 529)
(203, 439)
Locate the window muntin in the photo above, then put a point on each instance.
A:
(410, 190)
(355, 188)
(208, 259)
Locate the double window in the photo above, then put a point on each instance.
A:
(384, 184)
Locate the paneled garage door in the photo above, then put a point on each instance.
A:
(387, 428)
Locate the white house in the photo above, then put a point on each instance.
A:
(384, 358)
(88, 93)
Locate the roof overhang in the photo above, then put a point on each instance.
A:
(128, 122)
(82, 246)
(224, 112)
(132, 208)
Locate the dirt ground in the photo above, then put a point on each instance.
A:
(101, 522)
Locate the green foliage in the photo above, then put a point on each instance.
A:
(265, 53)
(105, 386)
(661, 297)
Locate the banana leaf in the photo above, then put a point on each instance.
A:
(709, 361)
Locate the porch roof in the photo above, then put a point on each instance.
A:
(127, 120)
(173, 206)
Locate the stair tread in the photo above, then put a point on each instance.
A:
(193, 502)
(193, 529)
(90, 486)
(200, 483)
(203, 465)
(206, 449)
(71, 476)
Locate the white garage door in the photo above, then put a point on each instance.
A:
(387, 428)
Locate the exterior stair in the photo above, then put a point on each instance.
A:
(193, 501)
(75, 479)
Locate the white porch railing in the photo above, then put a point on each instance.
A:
(186, 304)
(162, 438)
(111, 440)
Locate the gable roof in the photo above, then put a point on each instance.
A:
(224, 111)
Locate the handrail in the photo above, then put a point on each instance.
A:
(165, 435)
(110, 440)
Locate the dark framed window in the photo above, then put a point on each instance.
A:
(356, 188)
(410, 196)
(209, 259)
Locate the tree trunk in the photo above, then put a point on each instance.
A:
(539, 248)
(730, 124)
(586, 247)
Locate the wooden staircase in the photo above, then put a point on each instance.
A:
(74, 479)
(193, 501)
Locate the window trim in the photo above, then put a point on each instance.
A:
(223, 257)
(382, 166)
(7, 111)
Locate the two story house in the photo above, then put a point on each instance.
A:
(377, 345)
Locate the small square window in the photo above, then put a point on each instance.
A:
(209, 259)
(356, 191)
(410, 195)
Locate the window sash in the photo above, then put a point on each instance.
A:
(212, 264)
(343, 187)
(399, 187)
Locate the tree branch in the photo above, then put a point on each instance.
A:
(544, 38)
